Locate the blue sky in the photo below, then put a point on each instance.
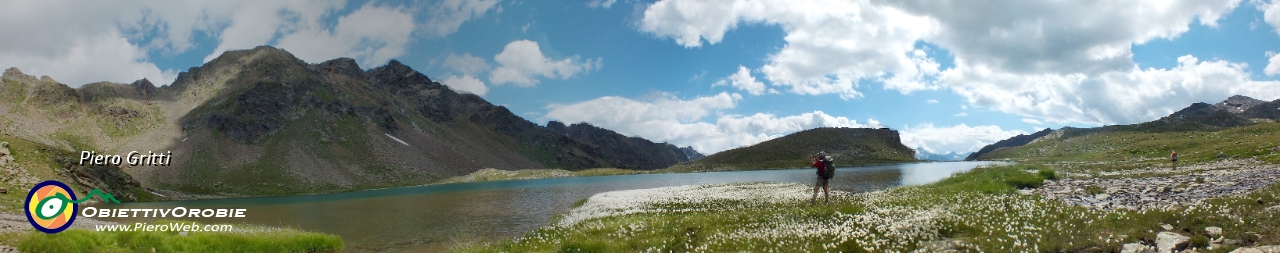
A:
(715, 75)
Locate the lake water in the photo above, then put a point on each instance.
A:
(426, 218)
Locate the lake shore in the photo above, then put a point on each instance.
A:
(982, 210)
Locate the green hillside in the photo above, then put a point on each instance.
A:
(1119, 148)
(847, 146)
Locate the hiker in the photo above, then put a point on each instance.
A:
(820, 162)
(1175, 159)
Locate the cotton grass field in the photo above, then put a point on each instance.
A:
(978, 211)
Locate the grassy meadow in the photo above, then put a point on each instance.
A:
(979, 211)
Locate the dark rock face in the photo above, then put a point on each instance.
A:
(259, 111)
(1238, 104)
(1209, 115)
(1268, 110)
(623, 150)
(1015, 141)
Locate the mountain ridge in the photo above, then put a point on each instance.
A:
(260, 121)
(1236, 111)
(847, 146)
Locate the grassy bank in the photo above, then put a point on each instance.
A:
(243, 239)
(1123, 149)
(978, 211)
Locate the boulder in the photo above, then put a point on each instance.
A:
(1213, 231)
(1247, 250)
(1136, 248)
(1169, 242)
(1166, 227)
(1269, 248)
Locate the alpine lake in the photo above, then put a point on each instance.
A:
(430, 217)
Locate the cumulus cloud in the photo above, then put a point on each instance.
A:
(445, 17)
(831, 45)
(932, 101)
(466, 84)
(684, 122)
(1273, 64)
(601, 3)
(744, 81)
(1270, 12)
(1117, 97)
(1055, 61)
(63, 39)
(84, 42)
(466, 64)
(521, 63)
(958, 138)
(353, 37)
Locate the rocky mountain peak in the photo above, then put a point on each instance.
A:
(1238, 104)
(12, 72)
(343, 66)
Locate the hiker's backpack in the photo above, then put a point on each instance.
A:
(829, 168)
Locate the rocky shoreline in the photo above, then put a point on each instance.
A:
(1197, 183)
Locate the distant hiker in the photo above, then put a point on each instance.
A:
(820, 162)
(1175, 159)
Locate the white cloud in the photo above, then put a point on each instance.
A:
(252, 25)
(959, 138)
(59, 38)
(1050, 60)
(1117, 97)
(1271, 13)
(466, 84)
(684, 122)
(1032, 121)
(744, 81)
(108, 57)
(601, 3)
(831, 45)
(445, 17)
(521, 62)
(466, 64)
(352, 37)
(961, 114)
(932, 101)
(1273, 64)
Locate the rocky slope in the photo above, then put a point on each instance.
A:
(620, 149)
(847, 146)
(262, 122)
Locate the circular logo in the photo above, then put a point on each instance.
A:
(51, 206)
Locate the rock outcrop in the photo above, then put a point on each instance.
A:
(1021, 139)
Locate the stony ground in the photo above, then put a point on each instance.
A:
(1181, 187)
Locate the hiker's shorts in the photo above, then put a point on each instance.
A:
(821, 181)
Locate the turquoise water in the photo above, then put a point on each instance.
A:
(428, 217)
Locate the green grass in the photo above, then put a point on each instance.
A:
(1120, 149)
(980, 209)
(263, 240)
